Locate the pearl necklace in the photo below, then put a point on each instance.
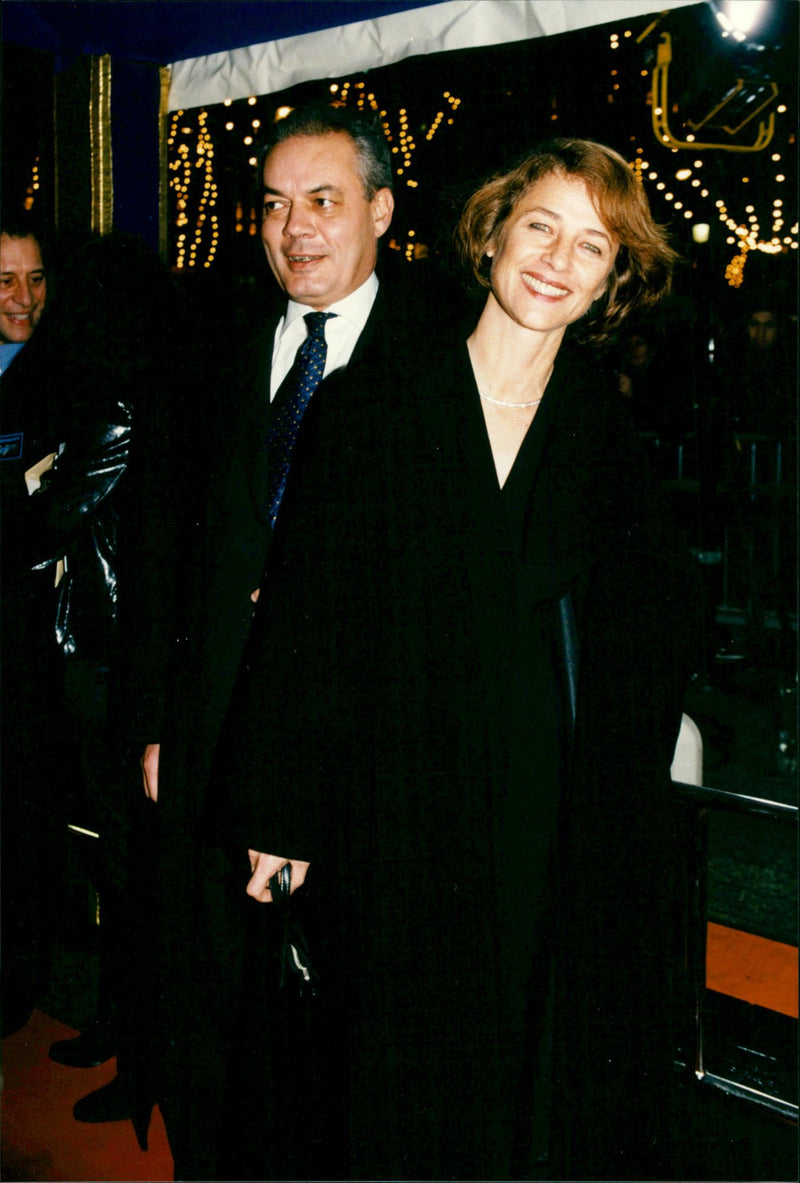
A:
(499, 402)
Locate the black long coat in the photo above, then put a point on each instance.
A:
(479, 885)
(203, 918)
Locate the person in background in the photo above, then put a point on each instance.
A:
(457, 722)
(32, 836)
(105, 518)
(23, 284)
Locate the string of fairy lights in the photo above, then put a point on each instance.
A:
(686, 189)
(33, 187)
(197, 244)
(683, 185)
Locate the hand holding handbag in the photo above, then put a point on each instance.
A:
(293, 956)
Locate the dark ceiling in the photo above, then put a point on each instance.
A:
(164, 31)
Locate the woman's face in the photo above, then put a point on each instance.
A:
(553, 256)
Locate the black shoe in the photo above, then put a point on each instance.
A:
(93, 1046)
(114, 1102)
(16, 1014)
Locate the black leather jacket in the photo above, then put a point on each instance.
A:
(78, 525)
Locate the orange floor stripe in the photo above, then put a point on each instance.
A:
(753, 969)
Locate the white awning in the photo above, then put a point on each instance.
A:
(330, 53)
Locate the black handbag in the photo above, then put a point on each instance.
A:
(294, 960)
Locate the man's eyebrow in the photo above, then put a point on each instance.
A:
(540, 209)
(325, 187)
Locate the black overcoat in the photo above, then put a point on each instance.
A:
(490, 908)
(203, 916)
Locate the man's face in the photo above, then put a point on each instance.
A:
(23, 288)
(320, 233)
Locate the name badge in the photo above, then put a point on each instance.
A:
(11, 446)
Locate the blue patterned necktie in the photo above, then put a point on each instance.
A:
(290, 403)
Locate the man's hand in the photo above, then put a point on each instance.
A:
(264, 866)
(149, 763)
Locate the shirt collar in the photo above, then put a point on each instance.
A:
(354, 307)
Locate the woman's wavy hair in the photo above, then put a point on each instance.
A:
(642, 271)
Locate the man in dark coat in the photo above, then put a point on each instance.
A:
(327, 201)
(28, 441)
(104, 517)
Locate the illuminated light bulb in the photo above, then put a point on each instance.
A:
(334, 86)
(690, 139)
(701, 231)
(780, 177)
(669, 196)
(704, 192)
(227, 102)
(683, 174)
(688, 214)
(661, 185)
(252, 100)
(645, 163)
(248, 140)
(652, 176)
(229, 127)
(678, 205)
(776, 156)
(782, 109)
(698, 164)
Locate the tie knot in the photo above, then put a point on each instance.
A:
(315, 324)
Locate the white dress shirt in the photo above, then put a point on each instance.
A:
(341, 333)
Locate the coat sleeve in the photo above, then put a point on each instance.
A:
(289, 748)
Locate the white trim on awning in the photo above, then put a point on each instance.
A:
(348, 49)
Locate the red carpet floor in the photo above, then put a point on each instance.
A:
(41, 1141)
